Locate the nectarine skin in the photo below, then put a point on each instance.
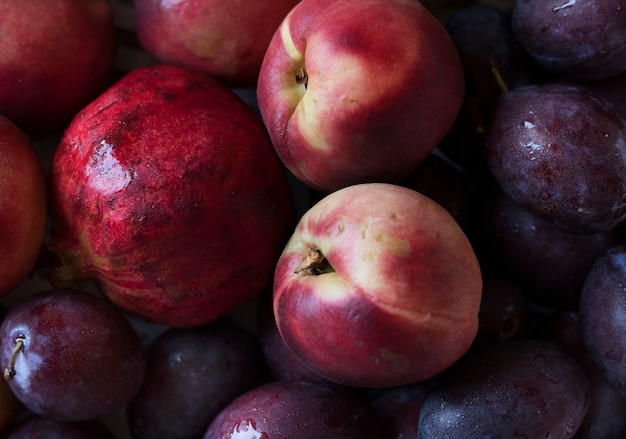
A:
(396, 299)
(354, 92)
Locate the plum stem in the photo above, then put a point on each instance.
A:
(314, 264)
(500, 82)
(9, 371)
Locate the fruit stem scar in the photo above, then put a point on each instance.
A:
(301, 77)
(9, 371)
(314, 264)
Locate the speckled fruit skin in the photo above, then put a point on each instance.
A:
(536, 155)
(55, 376)
(23, 206)
(603, 315)
(353, 92)
(226, 39)
(296, 410)
(56, 56)
(167, 191)
(400, 303)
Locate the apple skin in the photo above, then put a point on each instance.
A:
(356, 92)
(23, 206)
(226, 39)
(396, 299)
(166, 190)
(56, 56)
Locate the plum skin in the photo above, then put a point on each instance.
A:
(602, 315)
(296, 410)
(80, 359)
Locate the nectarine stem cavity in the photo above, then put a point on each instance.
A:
(9, 371)
(314, 264)
(302, 78)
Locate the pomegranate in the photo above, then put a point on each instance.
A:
(167, 191)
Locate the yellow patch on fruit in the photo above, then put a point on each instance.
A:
(311, 129)
(399, 363)
(340, 91)
(398, 246)
(290, 47)
(332, 287)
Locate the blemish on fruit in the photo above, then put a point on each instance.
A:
(398, 362)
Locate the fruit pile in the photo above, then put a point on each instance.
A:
(313, 219)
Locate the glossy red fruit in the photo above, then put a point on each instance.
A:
(56, 56)
(23, 206)
(70, 355)
(167, 191)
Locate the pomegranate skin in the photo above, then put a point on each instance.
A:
(167, 191)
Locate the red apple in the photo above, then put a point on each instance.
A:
(226, 39)
(23, 206)
(167, 191)
(55, 57)
(354, 92)
(377, 287)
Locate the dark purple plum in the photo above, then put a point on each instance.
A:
(516, 389)
(70, 355)
(40, 427)
(603, 315)
(503, 313)
(583, 39)
(296, 410)
(399, 408)
(192, 374)
(606, 417)
(548, 262)
(612, 90)
(492, 60)
(560, 152)
(440, 180)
